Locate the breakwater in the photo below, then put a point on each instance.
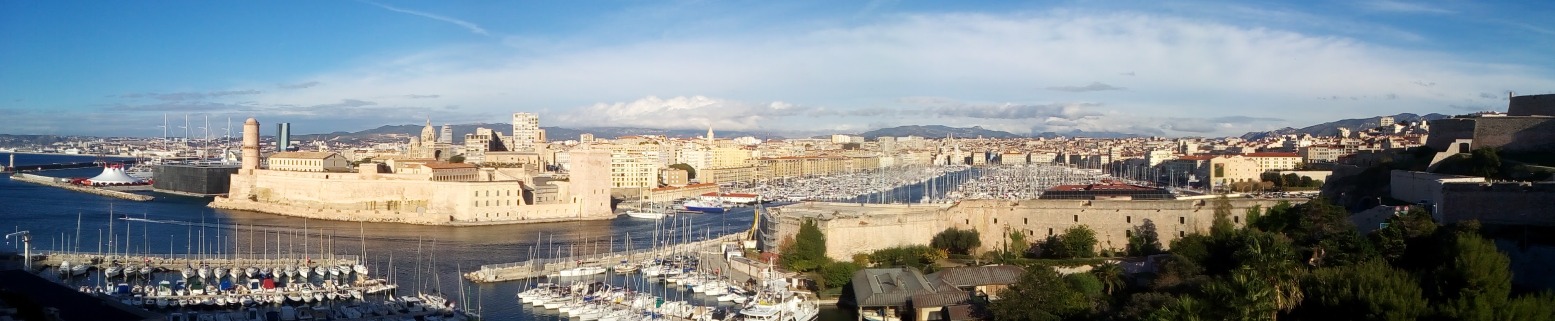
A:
(545, 267)
(53, 182)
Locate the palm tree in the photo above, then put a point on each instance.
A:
(1267, 260)
(1111, 276)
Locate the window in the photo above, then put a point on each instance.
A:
(1128, 233)
(1049, 231)
(1182, 220)
(1128, 219)
(1236, 219)
(1182, 234)
(1077, 218)
(996, 220)
(1025, 220)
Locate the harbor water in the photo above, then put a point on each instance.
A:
(418, 258)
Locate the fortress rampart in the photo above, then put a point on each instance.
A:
(1501, 203)
(386, 198)
(1532, 105)
(852, 229)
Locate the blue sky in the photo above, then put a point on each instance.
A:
(1174, 69)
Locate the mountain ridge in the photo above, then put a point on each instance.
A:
(1332, 128)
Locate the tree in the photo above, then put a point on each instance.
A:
(1039, 295)
(1484, 162)
(1474, 282)
(837, 274)
(809, 251)
(1267, 260)
(1145, 241)
(456, 159)
(957, 241)
(1371, 290)
(1222, 224)
(1406, 236)
(1018, 244)
(691, 173)
(1080, 241)
(916, 256)
(1110, 275)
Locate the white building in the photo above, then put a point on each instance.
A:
(526, 131)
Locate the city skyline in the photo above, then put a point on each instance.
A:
(1178, 69)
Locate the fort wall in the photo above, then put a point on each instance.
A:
(1502, 203)
(1445, 131)
(852, 229)
(388, 198)
(1515, 134)
(1532, 105)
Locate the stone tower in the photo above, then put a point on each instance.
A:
(250, 147)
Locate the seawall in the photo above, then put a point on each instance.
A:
(49, 181)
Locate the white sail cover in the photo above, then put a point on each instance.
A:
(113, 175)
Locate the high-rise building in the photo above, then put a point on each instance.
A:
(447, 137)
(526, 131)
(283, 136)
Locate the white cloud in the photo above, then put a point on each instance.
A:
(466, 24)
(1401, 7)
(844, 77)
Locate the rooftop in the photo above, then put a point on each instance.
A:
(446, 165)
(302, 155)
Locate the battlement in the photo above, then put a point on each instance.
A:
(1542, 187)
(1532, 105)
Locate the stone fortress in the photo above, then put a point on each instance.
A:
(862, 228)
(1527, 126)
(418, 188)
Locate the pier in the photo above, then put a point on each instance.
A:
(52, 182)
(168, 262)
(543, 267)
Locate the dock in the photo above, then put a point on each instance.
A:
(53, 182)
(543, 267)
(179, 261)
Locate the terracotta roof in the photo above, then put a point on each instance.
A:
(1100, 187)
(444, 165)
(729, 194)
(981, 275)
(1195, 157)
(303, 155)
(1271, 154)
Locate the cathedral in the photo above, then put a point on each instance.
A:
(429, 146)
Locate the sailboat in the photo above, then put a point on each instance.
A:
(655, 213)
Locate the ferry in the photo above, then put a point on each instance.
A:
(703, 206)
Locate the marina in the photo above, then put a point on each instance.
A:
(569, 265)
(885, 185)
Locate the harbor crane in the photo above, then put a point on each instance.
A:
(26, 248)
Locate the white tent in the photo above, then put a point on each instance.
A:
(113, 175)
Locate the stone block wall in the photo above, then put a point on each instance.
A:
(852, 229)
(1445, 131)
(351, 198)
(1532, 105)
(1516, 134)
(1504, 203)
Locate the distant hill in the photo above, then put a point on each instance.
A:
(552, 133)
(937, 131)
(1085, 134)
(1332, 128)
